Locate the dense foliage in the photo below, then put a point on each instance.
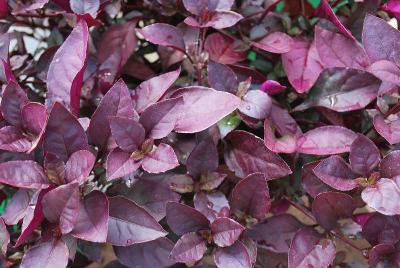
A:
(200, 133)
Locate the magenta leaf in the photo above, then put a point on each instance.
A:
(189, 248)
(203, 158)
(65, 75)
(13, 99)
(92, 222)
(302, 64)
(388, 127)
(256, 104)
(330, 207)
(64, 134)
(383, 196)
(130, 224)
(374, 31)
(336, 173)
(116, 102)
(85, 7)
(184, 219)
(364, 155)
(342, 90)
(79, 166)
(150, 254)
(33, 118)
(225, 231)
(276, 232)
(53, 253)
(23, 174)
(325, 11)
(383, 255)
(272, 87)
(221, 77)
(336, 50)
(276, 42)
(390, 164)
(13, 139)
(246, 154)
(211, 205)
(164, 35)
(223, 49)
(159, 119)
(119, 164)
(310, 182)
(385, 70)
(196, 100)
(150, 91)
(326, 140)
(251, 197)
(236, 255)
(61, 205)
(128, 134)
(161, 159)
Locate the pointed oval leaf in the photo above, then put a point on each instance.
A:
(34, 117)
(388, 127)
(310, 182)
(256, 104)
(364, 155)
(251, 196)
(79, 166)
(12, 101)
(276, 42)
(61, 205)
(92, 222)
(245, 154)
(119, 164)
(224, 49)
(203, 158)
(12, 139)
(16, 208)
(53, 253)
(383, 229)
(221, 77)
(211, 205)
(390, 164)
(4, 237)
(326, 140)
(64, 134)
(189, 248)
(196, 100)
(130, 224)
(161, 159)
(164, 35)
(385, 70)
(235, 256)
(85, 7)
(127, 133)
(23, 174)
(65, 75)
(184, 219)
(225, 231)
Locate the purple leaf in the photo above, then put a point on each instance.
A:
(181, 183)
(330, 207)
(336, 50)
(246, 154)
(92, 222)
(276, 232)
(183, 219)
(61, 205)
(390, 165)
(65, 75)
(276, 42)
(196, 100)
(310, 182)
(54, 168)
(189, 248)
(23, 174)
(272, 87)
(13, 99)
(374, 31)
(53, 253)
(203, 158)
(385, 70)
(382, 229)
(4, 237)
(13, 139)
(309, 250)
(128, 134)
(326, 140)
(211, 205)
(116, 102)
(211, 181)
(251, 197)
(164, 35)
(159, 119)
(64, 134)
(302, 65)
(119, 164)
(256, 104)
(79, 166)
(224, 49)
(221, 77)
(336, 173)
(225, 231)
(85, 7)
(130, 224)
(388, 127)
(364, 155)
(16, 208)
(383, 255)
(161, 159)
(34, 117)
(218, 20)
(342, 90)
(150, 91)
(235, 256)
(384, 196)
(150, 254)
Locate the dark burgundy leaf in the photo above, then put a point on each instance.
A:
(225, 231)
(13, 99)
(382, 229)
(34, 117)
(189, 248)
(224, 49)
(183, 219)
(4, 237)
(221, 77)
(310, 182)
(384, 255)
(364, 155)
(79, 166)
(203, 159)
(246, 154)
(130, 224)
